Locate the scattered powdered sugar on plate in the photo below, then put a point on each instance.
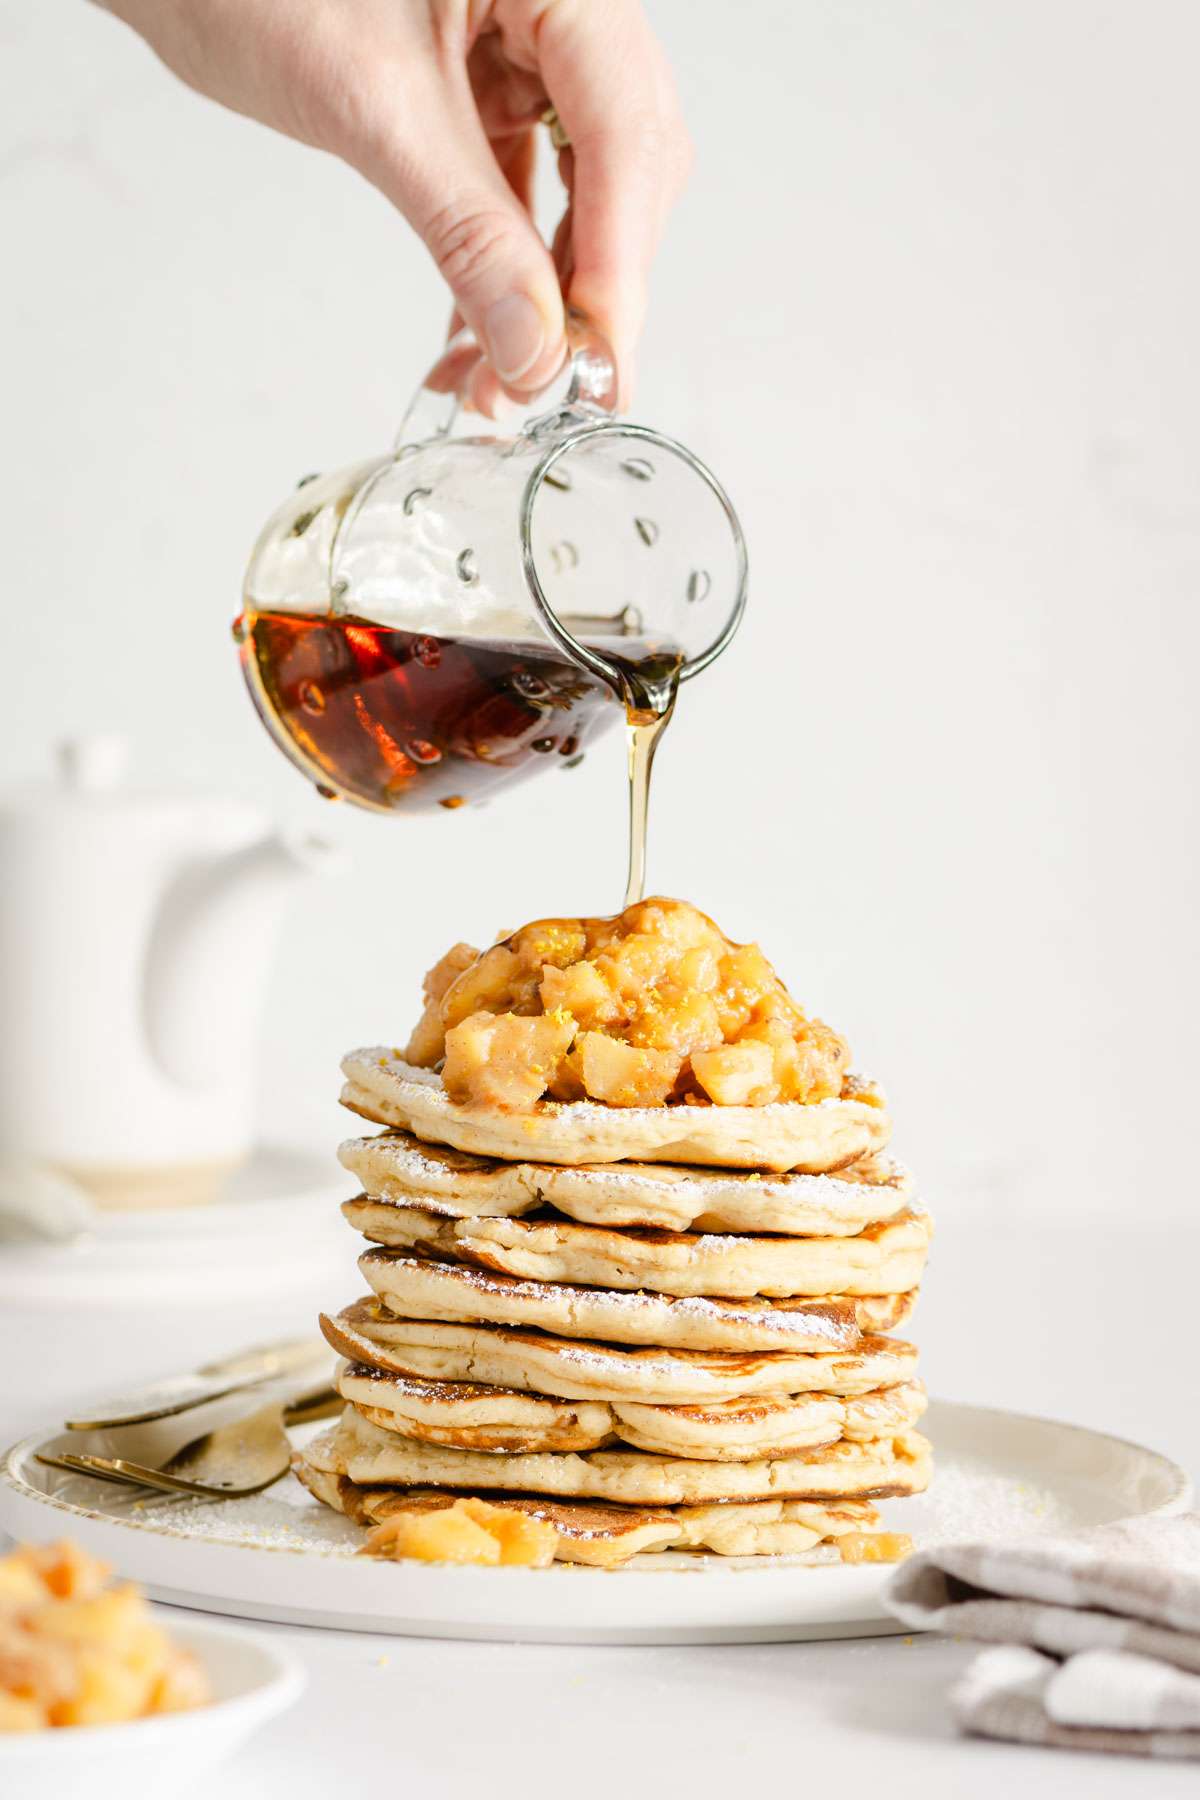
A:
(286, 1517)
(970, 1497)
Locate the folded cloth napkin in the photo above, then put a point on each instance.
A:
(1099, 1634)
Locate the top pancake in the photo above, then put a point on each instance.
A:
(396, 1166)
(787, 1135)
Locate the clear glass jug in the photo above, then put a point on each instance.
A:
(433, 624)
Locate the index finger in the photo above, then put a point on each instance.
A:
(608, 80)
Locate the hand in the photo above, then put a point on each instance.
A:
(437, 102)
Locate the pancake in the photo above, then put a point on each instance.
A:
(770, 1427)
(471, 1416)
(885, 1258)
(865, 1471)
(395, 1166)
(574, 1369)
(419, 1288)
(603, 1536)
(814, 1139)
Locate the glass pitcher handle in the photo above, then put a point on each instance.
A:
(589, 371)
(592, 367)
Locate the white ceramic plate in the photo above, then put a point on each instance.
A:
(281, 1556)
(252, 1679)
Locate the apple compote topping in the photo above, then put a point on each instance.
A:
(444, 1528)
(651, 1008)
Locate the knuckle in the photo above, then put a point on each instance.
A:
(466, 239)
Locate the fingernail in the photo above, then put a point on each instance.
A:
(515, 335)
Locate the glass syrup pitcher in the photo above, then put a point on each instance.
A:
(428, 627)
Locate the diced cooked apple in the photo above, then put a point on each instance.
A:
(677, 1020)
(485, 986)
(524, 1541)
(75, 1652)
(465, 1531)
(737, 1074)
(582, 991)
(553, 943)
(447, 971)
(660, 983)
(19, 1714)
(64, 1570)
(427, 1044)
(109, 1690)
(449, 1535)
(504, 1060)
(681, 926)
(746, 978)
(568, 1078)
(874, 1546)
(620, 1075)
(633, 966)
(20, 1584)
(808, 1058)
(699, 970)
(31, 1664)
(181, 1685)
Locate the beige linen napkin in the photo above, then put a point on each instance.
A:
(1099, 1634)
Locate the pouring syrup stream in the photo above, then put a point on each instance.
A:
(651, 689)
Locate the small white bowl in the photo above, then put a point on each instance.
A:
(251, 1678)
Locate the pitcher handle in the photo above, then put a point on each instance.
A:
(593, 368)
(589, 371)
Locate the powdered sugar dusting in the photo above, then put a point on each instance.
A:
(969, 1498)
(286, 1517)
(432, 1167)
(410, 1283)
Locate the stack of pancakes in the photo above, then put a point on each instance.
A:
(646, 1352)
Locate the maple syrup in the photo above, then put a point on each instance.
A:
(396, 720)
(649, 703)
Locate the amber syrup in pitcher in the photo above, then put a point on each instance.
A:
(396, 720)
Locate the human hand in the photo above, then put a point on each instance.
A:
(437, 102)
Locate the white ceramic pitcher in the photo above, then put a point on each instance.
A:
(135, 940)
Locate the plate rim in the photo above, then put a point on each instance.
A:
(1178, 1497)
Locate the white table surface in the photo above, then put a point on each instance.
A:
(1085, 1323)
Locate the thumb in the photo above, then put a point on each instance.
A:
(451, 189)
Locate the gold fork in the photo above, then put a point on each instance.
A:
(241, 1457)
(215, 1380)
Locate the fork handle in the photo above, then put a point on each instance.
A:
(319, 1403)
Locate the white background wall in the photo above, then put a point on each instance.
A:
(930, 308)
